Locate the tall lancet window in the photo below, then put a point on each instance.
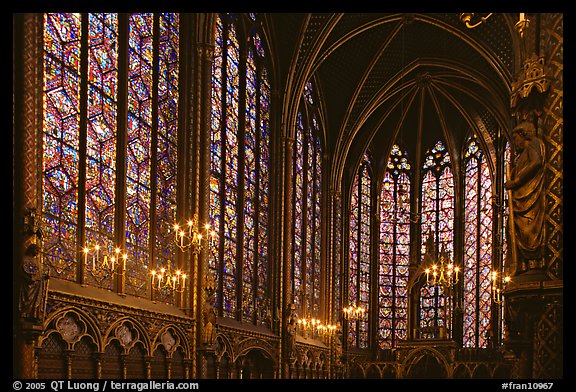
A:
(92, 136)
(477, 245)
(438, 222)
(239, 168)
(394, 250)
(359, 253)
(307, 206)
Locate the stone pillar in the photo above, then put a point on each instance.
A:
(205, 284)
(30, 284)
(534, 294)
(287, 347)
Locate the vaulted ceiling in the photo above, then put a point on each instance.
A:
(397, 78)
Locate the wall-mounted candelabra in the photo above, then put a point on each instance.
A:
(498, 285)
(312, 327)
(96, 258)
(165, 278)
(352, 313)
(191, 236)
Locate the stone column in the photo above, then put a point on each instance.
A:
(30, 284)
(205, 312)
(286, 352)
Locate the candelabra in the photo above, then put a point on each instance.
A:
(192, 237)
(103, 261)
(353, 312)
(445, 273)
(167, 279)
(498, 285)
(316, 328)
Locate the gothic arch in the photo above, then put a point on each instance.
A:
(461, 371)
(224, 348)
(426, 363)
(171, 338)
(128, 332)
(251, 344)
(481, 371)
(72, 324)
(373, 371)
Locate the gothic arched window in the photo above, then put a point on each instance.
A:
(394, 250)
(109, 166)
(477, 263)
(239, 164)
(307, 206)
(437, 221)
(359, 253)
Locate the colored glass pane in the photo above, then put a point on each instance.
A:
(239, 171)
(359, 264)
(477, 246)
(167, 151)
(61, 121)
(138, 154)
(437, 220)
(101, 138)
(394, 249)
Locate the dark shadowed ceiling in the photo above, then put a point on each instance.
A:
(398, 78)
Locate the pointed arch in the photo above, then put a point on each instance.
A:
(477, 262)
(437, 209)
(360, 253)
(240, 168)
(394, 249)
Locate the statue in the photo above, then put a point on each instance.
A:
(291, 329)
(209, 315)
(525, 187)
(33, 289)
(34, 283)
(209, 327)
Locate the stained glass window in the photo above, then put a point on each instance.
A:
(167, 152)
(61, 141)
(307, 208)
(394, 250)
(477, 245)
(82, 147)
(101, 136)
(359, 252)
(239, 180)
(138, 154)
(437, 221)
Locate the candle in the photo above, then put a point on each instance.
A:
(117, 258)
(97, 247)
(86, 250)
(183, 281)
(521, 16)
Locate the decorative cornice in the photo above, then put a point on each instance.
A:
(82, 302)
